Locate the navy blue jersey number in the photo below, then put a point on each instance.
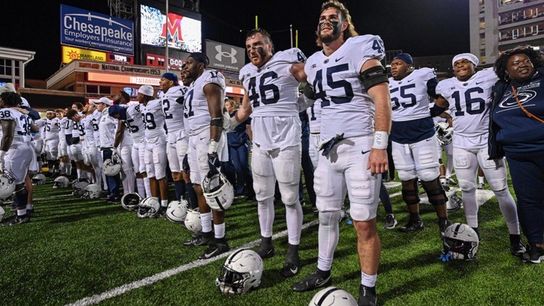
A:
(267, 93)
(474, 106)
(406, 96)
(321, 94)
(188, 107)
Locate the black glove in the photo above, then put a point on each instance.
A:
(327, 146)
(185, 164)
(213, 160)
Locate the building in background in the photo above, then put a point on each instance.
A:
(497, 25)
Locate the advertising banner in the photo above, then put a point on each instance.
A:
(93, 30)
(184, 33)
(223, 56)
(72, 53)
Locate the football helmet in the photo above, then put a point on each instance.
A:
(218, 191)
(176, 211)
(192, 221)
(61, 182)
(112, 166)
(241, 271)
(130, 201)
(149, 207)
(333, 296)
(92, 191)
(461, 241)
(78, 188)
(38, 179)
(454, 202)
(7, 185)
(444, 134)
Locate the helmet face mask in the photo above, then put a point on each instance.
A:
(461, 241)
(7, 185)
(149, 207)
(241, 272)
(130, 201)
(444, 133)
(112, 166)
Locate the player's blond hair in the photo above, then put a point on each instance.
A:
(339, 6)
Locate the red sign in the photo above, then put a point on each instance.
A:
(174, 27)
(157, 60)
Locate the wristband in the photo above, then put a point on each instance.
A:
(381, 140)
(212, 147)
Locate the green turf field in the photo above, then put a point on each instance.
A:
(73, 249)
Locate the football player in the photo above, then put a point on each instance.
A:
(15, 151)
(76, 148)
(106, 129)
(203, 111)
(467, 95)
(155, 139)
(89, 145)
(349, 79)
(52, 129)
(271, 82)
(123, 144)
(172, 106)
(413, 139)
(65, 137)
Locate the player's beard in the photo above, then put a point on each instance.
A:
(328, 38)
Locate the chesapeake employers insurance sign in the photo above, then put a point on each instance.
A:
(92, 30)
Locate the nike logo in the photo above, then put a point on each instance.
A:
(336, 60)
(210, 255)
(294, 270)
(364, 152)
(478, 83)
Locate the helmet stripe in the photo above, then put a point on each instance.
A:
(324, 296)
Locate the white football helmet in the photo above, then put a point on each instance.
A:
(61, 182)
(7, 185)
(454, 202)
(149, 207)
(444, 133)
(461, 241)
(218, 191)
(38, 179)
(333, 296)
(92, 191)
(176, 211)
(112, 166)
(78, 188)
(241, 271)
(192, 221)
(2, 212)
(130, 201)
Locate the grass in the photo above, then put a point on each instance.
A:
(76, 248)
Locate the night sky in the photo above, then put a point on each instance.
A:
(421, 27)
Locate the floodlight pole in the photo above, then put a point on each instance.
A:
(166, 60)
(291, 34)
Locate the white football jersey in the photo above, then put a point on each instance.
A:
(196, 105)
(87, 124)
(22, 124)
(153, 116)
(314, 116)
(95, 120)
(469, 103)
(346, 106)
(106, 128)
(409, 96)
(77, 128)
(172, 106)
(272, 89)
(66, 126)
(52, 129)
(135, 122)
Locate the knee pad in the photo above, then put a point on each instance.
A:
(289, 194)
(466, 185)
(327, 218)
(21, 196)
(410, 193)
(428, 174)
(435, 192)
(497, 185)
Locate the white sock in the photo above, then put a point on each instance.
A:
(29, 206)
(21, 212)
(79, 173)
(219, 230)
(147, 187)
(164, 203)
(265, 210)
(368, 280)
(480, 179)
(294, 216)
(206, 222)
(328, 234)
(140, 187)
(508, 210)
(471, 207)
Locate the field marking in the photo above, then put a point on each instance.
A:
(97, 298)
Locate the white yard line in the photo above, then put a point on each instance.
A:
(97, 298)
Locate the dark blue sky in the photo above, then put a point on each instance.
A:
(421, 27)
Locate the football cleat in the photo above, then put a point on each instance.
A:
(390, 222)
(461, 241)
(130, 201)
(215, 248)
(20, 220)
(7, 185)
(149, 207)
(218, 191)
(177, 211)
(313, 281)
(333, 296)
(241, 272)
(367, 296)
(412, 226)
